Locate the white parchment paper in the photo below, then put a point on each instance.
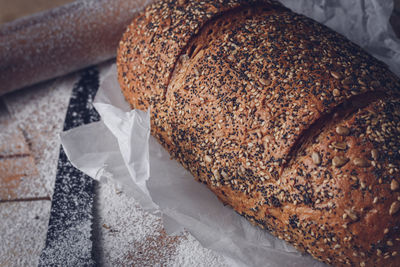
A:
(120, 147)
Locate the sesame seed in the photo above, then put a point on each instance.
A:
(363, 185)
(394, 208)
(224, 175)
(352, 215)
(336, 75)
(394, 185)
(336, 92)
(374, 154)
(216, 174)
(378, 252)
(196, 71)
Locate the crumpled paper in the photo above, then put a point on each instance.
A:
(120, 147)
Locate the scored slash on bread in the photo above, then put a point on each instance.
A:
(288, 122)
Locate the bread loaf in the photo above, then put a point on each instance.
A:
(288, 122)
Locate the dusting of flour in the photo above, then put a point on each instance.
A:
(128, 235)
(23, 227)
(39, 112)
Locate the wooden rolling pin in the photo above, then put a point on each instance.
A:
(62, 40)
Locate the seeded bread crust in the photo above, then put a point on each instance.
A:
(286, 121)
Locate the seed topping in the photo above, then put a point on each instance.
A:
(341, 130)
(394, 208)
(347, 81)
(361, 162)
(336, 92)
(375, 154)
(339, 145)
(316, 158)
(207, 159)
(394, 185)
(352, 215)
(336, 75)
(265, 82)
(339, 161)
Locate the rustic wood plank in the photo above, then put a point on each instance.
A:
(18, 173)
(40, 112)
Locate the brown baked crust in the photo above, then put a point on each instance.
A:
(285, 120)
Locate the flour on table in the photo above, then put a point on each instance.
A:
(37, 120)
(23, 231)
(39, 112)
(131, 236)
(189, 252)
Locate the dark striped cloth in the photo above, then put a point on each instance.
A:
(69, 238)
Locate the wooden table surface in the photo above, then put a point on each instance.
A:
(30, 123)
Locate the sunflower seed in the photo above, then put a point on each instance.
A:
(342, 130)
(339, 145)
(347, 81)
(316, 158)
(361, 162)
(339, 161)
(394, 185)
(265, 82)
